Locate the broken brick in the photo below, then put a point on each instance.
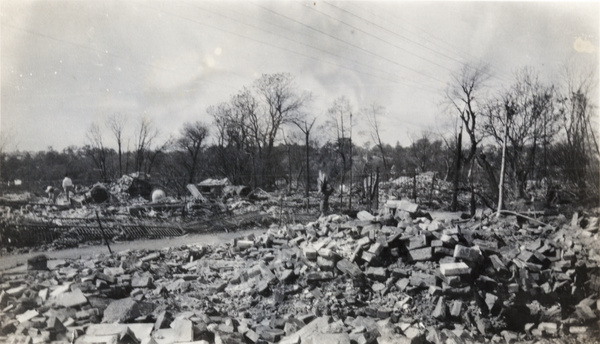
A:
(421, 254)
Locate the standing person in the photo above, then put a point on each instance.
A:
(67, 186)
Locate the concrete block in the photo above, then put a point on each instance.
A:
(252, 336)
(349, 268)
(142, 281)
(421, 254)
(71, 299)
(436, 243)
(302, 335)
(151, 256)
(163, 320)
(456, 308)
(107, 278)
(28, 315)
(578, 329)
(325, 264)
(549, 328)
(418, 241)
(310, 253)
(526, 256)
(378, 274)
(443, 251)
(402, 283)
(376, 249)
(468, 254)
(329, 338)
(435, 290)
(368, 256)
(454, 269)
(435, 226)
(181, 331)
(419, 279)
(498, 264)
(37, 262)
(125, 310)
(491, 301)
(319, 276)
(363, 242)
(440, 311)
(244, 244)
(584, 312)
(16, 291)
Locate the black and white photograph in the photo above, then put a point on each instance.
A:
(299, 172)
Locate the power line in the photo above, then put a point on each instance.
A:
(372, 35)
(393, 32)
(266, 43)
(348, 43)
(500, 76)
(424, 87)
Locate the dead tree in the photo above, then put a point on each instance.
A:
(191, 140)
(116, 124)
(98, 152)
(305, 127)
(465, 97)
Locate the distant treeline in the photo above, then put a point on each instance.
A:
(265, 136)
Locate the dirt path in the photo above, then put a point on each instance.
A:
(11, 261)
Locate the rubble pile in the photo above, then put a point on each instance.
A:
(425, 187)
(395, 278)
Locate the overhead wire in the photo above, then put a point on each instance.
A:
(392, 32)
(465, 56)
(424, 87)
(312, 8)
(348, 43)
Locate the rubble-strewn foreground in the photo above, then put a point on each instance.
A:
(401, 278)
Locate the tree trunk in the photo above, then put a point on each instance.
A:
(490, 174)
(456, 179)
(307, 187)
(120, 161)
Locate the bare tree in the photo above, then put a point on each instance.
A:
(339, 123)
(465, 96)
(579, 152)
(528, 107)
(306, 127)
(372, 114)
(253, 118)
(232, 143)
(116, 124)
(144, 136)
(97, 151)
(6, 140)
(151, 155)
(281, 104)
(191, 140)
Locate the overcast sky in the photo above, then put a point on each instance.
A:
(68, 64)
